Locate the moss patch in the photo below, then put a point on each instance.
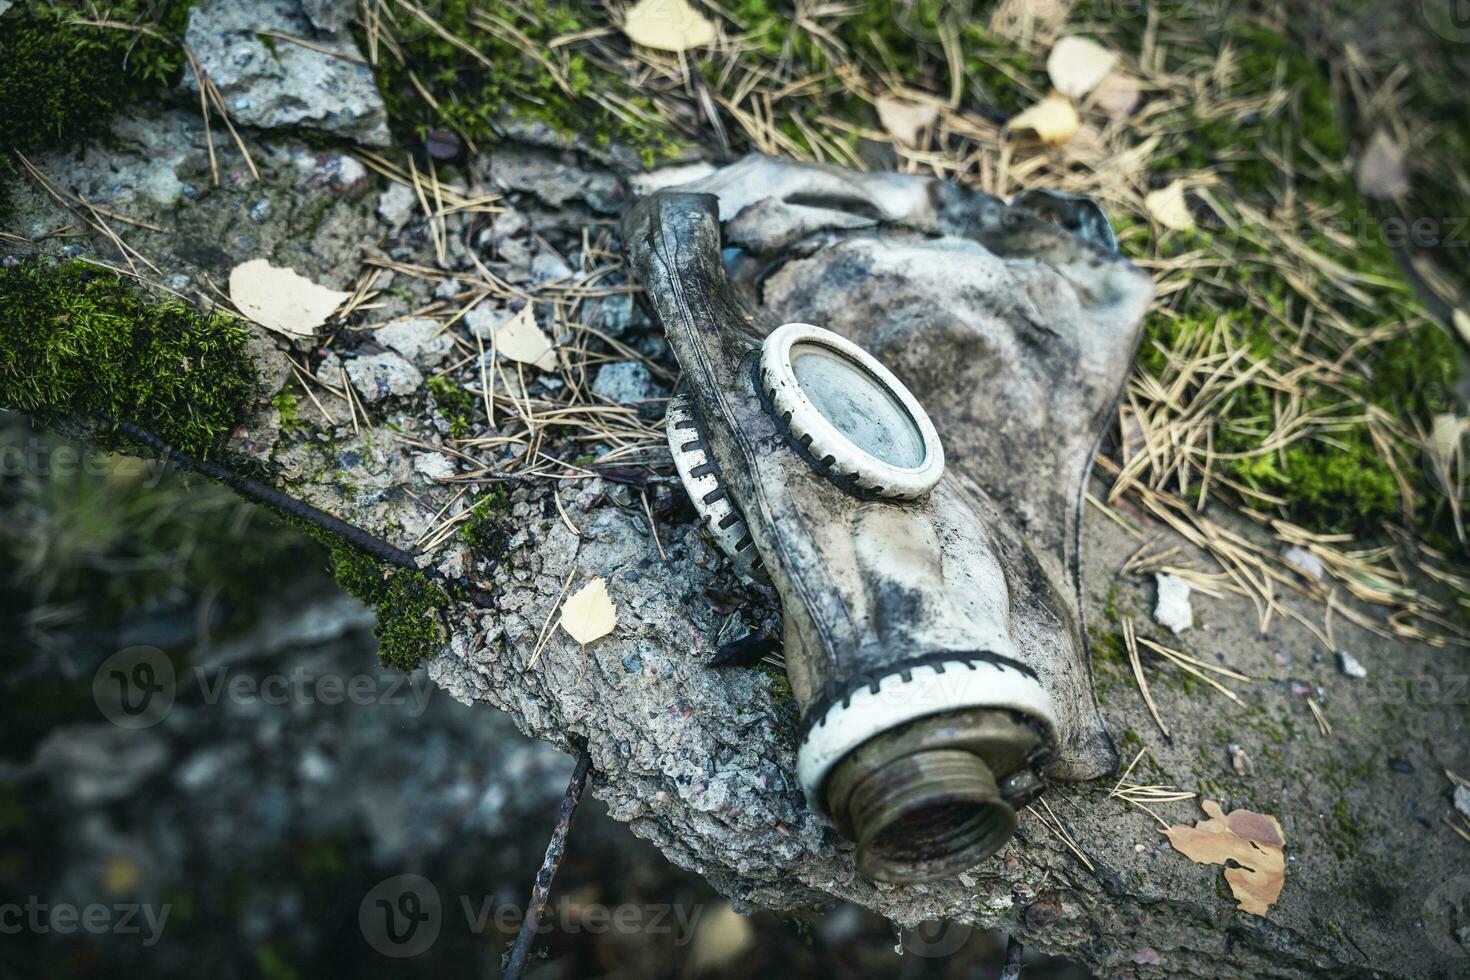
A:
(473, 91)
(456, 405)
(406, 602)
(62, 81)
(76, 341)
(1339, 478)
(486, 530)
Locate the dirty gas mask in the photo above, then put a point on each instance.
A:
(893, 391)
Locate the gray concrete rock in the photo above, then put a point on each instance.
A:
(281, 83)
(329, 15)
(385, 375)
(396, 205)
(614, 315)
(436, 466)
(626, 382)
(94, 764)
(425, 342)
(484, 319)
(553, 178)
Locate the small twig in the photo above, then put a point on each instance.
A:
(1012, 968)
(360, 539)
(516, 964)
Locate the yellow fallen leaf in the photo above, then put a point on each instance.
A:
(521, 339)
(904, 120)
(280, 300)
(121, 875)
(1168, 207)
(589, 614)
(667, 25)
(720, 941)
(1254, 841)
(1054, 119)
(1117, 95)
(1076, 65)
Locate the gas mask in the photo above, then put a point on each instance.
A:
(893, 390)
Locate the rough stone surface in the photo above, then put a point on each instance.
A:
(281, 83)
(625, 382)
(396, 204)
(700, 761)
(422, 341)
(436, 466)
(386, 375)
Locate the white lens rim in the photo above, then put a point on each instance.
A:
(850, 466)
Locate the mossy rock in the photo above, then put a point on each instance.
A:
(79, 342)
(62, 80)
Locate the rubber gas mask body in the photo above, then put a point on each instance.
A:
(893, 391)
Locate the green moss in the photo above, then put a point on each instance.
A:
(407, 604)
(1345, 484)
(472, 91)
(289, 410)
(1338, 478)
(780, 683)
(486, 529)
(455, 404)
(62, 81)
(76, 341)
(1108, 648)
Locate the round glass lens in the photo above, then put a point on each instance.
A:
(858, 405)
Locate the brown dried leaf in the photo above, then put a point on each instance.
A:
(1251, 842)
(521, 338)
(1117, 95)
(1169, 208)
(1020, 20)
(280, 299)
